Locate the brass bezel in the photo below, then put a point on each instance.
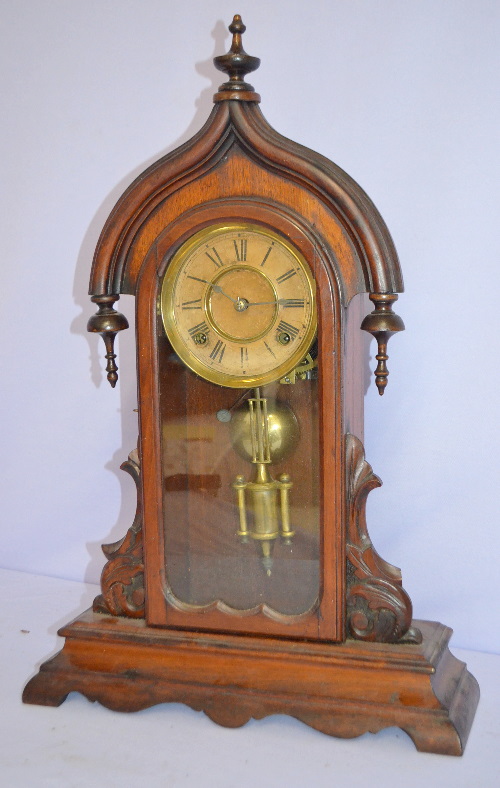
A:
(167, 298)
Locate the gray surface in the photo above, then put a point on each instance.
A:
(82, 744)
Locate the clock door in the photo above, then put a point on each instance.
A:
(240, 415)
(241, 513)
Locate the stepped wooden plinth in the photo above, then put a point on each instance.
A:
(340, 689)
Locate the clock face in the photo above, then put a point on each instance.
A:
(238, 305)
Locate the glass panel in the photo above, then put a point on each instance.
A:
(241, 502)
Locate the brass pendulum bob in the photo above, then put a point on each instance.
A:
(264, 434)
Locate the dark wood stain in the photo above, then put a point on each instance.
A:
(353, 660)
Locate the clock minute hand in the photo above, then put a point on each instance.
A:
(266, 303)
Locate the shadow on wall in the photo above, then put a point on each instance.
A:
(126, 341)
(125, 344)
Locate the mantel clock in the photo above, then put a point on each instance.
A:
(247, 584)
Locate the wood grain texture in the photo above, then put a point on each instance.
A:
(236, 663)
(122, 579)
(325, 619)
(378, 607)
(144, 195)
(340, 689)
(356, 366)
(242, 123)
(250, 174)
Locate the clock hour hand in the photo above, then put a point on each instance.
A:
(215, 288)
(218, 289)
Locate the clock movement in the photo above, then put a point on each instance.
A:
(247, 584)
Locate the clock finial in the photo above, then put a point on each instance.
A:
(236, 64)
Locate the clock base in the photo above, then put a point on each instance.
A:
(343, 690)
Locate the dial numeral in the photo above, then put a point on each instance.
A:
(288, 329)
(216, 260)
(218, 351)
(267, 255)
(270, 349)
(200, 328)
(287, 275)
(240, 248)
(197, 279)
(191, 304)
(243, 355)
(292, 302)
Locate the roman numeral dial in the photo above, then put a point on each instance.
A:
(238, 305)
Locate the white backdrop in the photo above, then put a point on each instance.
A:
(402, 95)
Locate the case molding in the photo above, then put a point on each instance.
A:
(342, 690)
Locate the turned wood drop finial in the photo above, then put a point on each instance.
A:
(107, 322)
(236, 64)
(382, 323)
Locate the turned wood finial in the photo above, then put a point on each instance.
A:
(107, 322)
(236, 64)
(382, 323)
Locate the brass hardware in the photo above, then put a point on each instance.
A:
(284, 338)
(223, 343)
(239, 485)
(302, 371)
(264, 433)
(240, 304)
(282, 429)
(286, 530)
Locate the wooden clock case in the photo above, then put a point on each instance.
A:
(355, 661)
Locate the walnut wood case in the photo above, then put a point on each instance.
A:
(353, 661)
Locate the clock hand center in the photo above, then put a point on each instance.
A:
(241, 304)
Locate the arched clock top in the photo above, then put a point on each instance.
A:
(366, 260)
(236, 117)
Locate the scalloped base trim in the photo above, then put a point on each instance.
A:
(340, 689)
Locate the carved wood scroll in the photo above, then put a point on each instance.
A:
(122, 579)
(378, 607)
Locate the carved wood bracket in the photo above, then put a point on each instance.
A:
(122, 579)
(378, 607)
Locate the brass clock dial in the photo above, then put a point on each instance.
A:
(238, 305)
